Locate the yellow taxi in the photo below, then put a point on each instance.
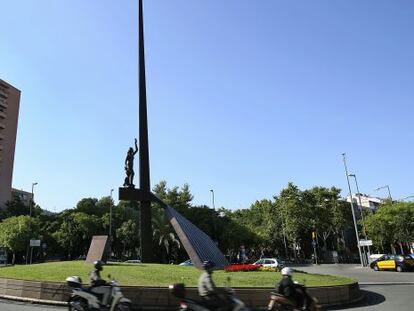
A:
(393, 262)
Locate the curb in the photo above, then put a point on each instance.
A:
(384, 283)
(35, 301)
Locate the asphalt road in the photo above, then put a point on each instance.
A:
(362, 275)
(384, 298)
(382, 289)
(6, 305)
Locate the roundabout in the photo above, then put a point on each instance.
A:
(146, 284)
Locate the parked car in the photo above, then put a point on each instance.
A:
(393, 262)
(269, 262)
(374, 257)
(186, 263)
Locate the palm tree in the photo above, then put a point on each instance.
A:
(163, 234)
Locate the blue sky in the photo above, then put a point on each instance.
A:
(243, 96)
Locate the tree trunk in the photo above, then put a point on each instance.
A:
(401, 248)
(13, 258)
(392, 249)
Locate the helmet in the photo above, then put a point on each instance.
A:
(208, 265)
(287, 271)
(74, 281)
(98, 265)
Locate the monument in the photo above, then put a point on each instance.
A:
(99, 249)
(199, 246)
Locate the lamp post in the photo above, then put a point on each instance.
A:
(352, 207)
(110, 217)
(409, 197)
(30, 220)
(389, 192)
(361, 211)
(212, 199)
(214, 220)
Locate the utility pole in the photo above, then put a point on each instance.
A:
(362, 216)
(30, 222)
(389, 191)
(353, 211)
(110, 224)
(212, 193)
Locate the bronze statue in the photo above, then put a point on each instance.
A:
(129, 166)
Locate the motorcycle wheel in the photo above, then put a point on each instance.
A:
(314, 307)
(123, 307)
(73, 301)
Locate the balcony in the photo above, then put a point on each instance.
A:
(3, 115)
(3, 103)
(3, 94)
(2, 125)
(1, 136)
(1, 147)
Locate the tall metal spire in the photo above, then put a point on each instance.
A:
(144, 170)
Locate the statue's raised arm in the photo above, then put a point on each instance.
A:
(136, 146)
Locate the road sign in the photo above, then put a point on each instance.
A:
(35, 243)
(365, 242)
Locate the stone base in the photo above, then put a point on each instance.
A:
(159, 298)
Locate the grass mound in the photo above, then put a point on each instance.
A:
(160, 275)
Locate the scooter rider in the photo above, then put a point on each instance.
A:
(98, 285)
(288, 289)
(211, 295)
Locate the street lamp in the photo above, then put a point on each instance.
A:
(352, 207)
(30, 219)
(212, 193)
(409, 197)
(361, 211)
(110, 225)
(359, 201)
(389, 192)
(31, 201)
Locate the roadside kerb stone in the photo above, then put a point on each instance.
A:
(159, 298)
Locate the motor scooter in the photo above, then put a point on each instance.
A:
(279, 302)
(187, 304)
(90, 298)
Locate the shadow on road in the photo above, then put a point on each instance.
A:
(371, 299)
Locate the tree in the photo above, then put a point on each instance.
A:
(128, 235)
(88, 206)
(296, 216)
(329, 214)
(164, 236)
(15, 233)
(16, 207)
(179, 199)
(76, 232)
(392, 223)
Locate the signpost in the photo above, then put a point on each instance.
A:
(363, 242)
(33, 243)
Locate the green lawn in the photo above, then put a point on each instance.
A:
(159, 275)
